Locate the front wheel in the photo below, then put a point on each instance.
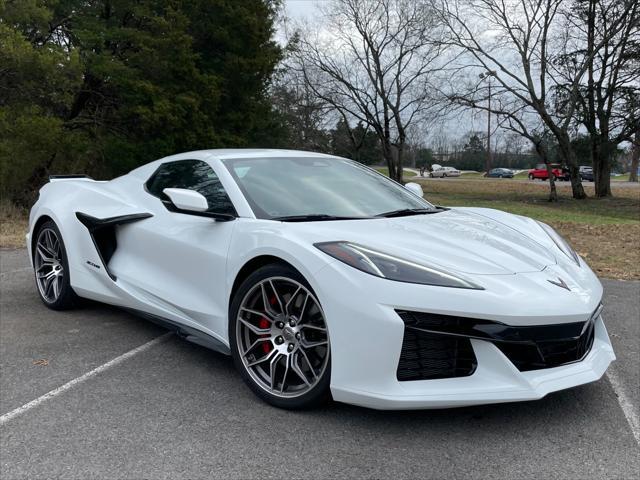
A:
(279, 338)
(51, 268)
(531, 176)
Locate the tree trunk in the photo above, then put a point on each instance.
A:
(569, 156)
(542, 153)
(387, 152)
(553, 193)
(397, 157)
(600, 157)
(635, 158)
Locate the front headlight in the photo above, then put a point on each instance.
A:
(561, 243)
(392, 268)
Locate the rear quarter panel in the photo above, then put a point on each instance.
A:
(60, 200)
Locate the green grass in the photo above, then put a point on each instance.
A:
(621, 178)
(405, 173)
(532, 201)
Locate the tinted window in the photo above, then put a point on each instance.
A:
(193, 175)
(278, 187)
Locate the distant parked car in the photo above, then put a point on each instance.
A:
(445, 172)
(540, 172)
(500, 173)
(586, 173)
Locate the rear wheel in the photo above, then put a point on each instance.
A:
(51, 268)
(279, 338)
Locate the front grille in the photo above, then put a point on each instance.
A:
(549, 353)
(425, 356)
(438, 346)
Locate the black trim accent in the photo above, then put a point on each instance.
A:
(103, 234)
(74, 175)
(528, 347)
(168, 204)
(190, 334)
(218, 217)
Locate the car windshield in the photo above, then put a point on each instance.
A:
(315, 186)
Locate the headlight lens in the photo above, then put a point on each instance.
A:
(561, 243)
(392, 268)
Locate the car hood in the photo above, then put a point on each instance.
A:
(459, 240)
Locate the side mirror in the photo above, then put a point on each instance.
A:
(188, 200)
(414, 188)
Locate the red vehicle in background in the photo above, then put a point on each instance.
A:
(540, 172)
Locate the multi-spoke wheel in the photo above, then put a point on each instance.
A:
(279, 338)
(51, 268)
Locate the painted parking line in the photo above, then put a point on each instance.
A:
(83, 378)
(625, 404)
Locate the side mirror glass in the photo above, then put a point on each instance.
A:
(414, 188)
(185, 199)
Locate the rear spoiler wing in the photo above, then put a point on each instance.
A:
(56, 178)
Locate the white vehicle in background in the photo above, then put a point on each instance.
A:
(441, 172)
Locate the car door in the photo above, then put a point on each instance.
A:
(177, 259)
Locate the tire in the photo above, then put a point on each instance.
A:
(531, 177)
(51, 268)
(275, 299)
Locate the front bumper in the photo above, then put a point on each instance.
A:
(367, 336)
(495, 380)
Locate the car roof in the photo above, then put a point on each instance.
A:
(226, 153)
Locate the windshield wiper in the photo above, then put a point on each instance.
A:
(405, 212)
(318, 217)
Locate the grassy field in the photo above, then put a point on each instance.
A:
(406, 173)
(605, 232)
(13, 225)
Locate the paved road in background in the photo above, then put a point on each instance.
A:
(559, 184)
(178, 410)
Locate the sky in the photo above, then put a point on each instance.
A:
(300, 10)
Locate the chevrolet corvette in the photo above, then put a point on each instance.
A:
(323, 278)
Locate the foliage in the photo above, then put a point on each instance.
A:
(359, 143)
(103, 86)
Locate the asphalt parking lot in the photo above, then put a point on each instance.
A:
(172, 409)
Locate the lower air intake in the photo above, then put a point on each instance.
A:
(425, 356)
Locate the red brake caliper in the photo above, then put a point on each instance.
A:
(266, 346)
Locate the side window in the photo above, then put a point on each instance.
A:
(193, 175)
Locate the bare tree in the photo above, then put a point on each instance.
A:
(609, 96)
(373, 61)
(303, 113)
(635, 157)
(518, 40)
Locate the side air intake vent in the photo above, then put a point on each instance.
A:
(103, 233)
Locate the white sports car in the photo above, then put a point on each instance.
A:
(322, 277)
